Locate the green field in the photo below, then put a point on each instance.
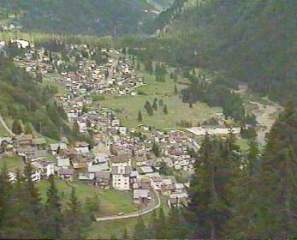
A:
(104, 230)
(12, 163)
(3, 132)
(111, 202)
(127, 107)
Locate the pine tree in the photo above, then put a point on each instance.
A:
(53, 211)
(74, 218)
(5, 190)
(28, 128)
(165, 109)
(17, 127)
(277, 181)
(75, 128)
(139, 118)
(161, 231)
(148, 108)
(175, 90)
(140, 229)
(156, 149)
(211, 187)
(155, 104)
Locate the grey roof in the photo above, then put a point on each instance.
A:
(121, 170)
(102, 175)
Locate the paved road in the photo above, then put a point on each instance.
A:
(2, 122)
(139, 213)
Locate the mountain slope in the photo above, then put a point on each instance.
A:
(251, 41)
(112, 17)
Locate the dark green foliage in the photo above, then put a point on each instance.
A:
(22, 98)
(248, 41)
(165, 109)
(81, 17)
(17, 127)
(156, 149)
(215, 94)
(155, 104)
(210, 190)
(139, 118)
(25, 216)
(54, 215)
(149, 109)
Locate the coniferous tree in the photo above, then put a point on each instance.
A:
(140, 229)
(165, 109)
(161, 230)
(148, 108)
(211, 187)
(139, 118)
(155, 104)
(28, 128)
(54, 215)
(17, 127)
(5, 190)
(277, 181)
(74, 218)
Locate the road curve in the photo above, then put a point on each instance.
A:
(135, 214)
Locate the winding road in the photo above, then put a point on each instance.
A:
(156, 203)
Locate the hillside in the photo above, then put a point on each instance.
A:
(81, 17)
(22, 98)
(249, 41)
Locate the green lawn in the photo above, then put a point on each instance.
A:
(111, 202)
(3, 132)
(127, 107)
(104, 230)
(12, 163)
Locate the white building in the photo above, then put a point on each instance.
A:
(121, 177)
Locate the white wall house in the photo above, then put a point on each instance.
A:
(121, 178)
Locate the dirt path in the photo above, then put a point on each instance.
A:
(156, 203)
(2, 122)
(266, 115)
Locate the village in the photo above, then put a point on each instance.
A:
(143, 160)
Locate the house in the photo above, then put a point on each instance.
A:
(178, 200)
(56, 147)
(167, 186)
(46, 168)
(144, 183)
(63, 162)
(98, 167)
(141, 196)
(39, 143)
(121, 177)
(82, 147)
(102, 179)
(144, 170)
(66, 174)
(156, 183)
(87, 177)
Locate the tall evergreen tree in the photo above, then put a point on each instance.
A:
(17, 127)
(277, 182)
(210, 189)
(74, 218)
(139, 118)
(54, 215)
